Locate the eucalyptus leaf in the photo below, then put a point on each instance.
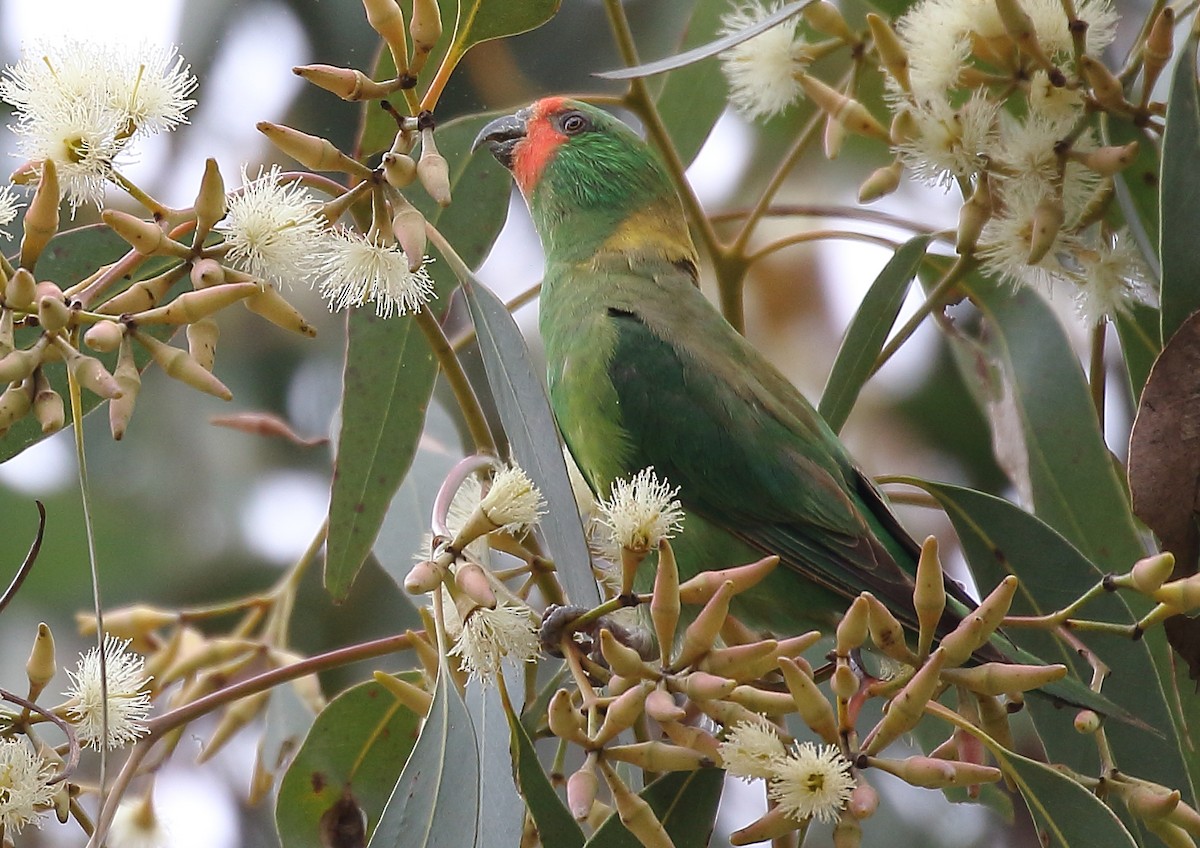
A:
(1138, 330)
(556, 826)
(684, 801)
(529, 424)
(868, 331)
(1179, 195)
(351, 756)
(501, 815)
(712, 48)
(435, 801)
(688, 116)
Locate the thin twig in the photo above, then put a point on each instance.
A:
(30, 559)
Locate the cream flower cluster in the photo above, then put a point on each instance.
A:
(82, 104)
(275, 230)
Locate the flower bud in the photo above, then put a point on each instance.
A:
(932, 773)
(1148, 800)
(422, 578)
(929, 595)
(661, 707)
(852, 629)
(206, 273)
(696, 738)
(906, 709)
(473, 580)
(425, 29)
(1106, 88)
(657, 756)
(847, 833)
(1171, 835)
(1108, 160)
(581, 791)
(864, 800)
(993, 718)
(399, 169)
(140, 296)
(146, 237)
(192, 306)
(700, 635)
(270, 304)
(1020, 28)
(958, 645)
(634, 811)
(973, 215)
(1157, 50)
(41, 667)
(904, 128)
(699, 589)
(346, 83)
(742, 662)
(41, 218)
(814, 707)
(89, 372)
(882, 182)
(887, 632)
(7, 337)
(762, 701)
(129, 380)
(774, 824)
(47, 404)
(20, 290)
(104, 336)
(202, 338)
(19, 364)
(413, 697)
(891, 52)
(176, 363)
(844, 682)
(622, 659)
(385, 18)
(210, 200)
(1183, 595)
(1048, 217)
(834, 137)
(1086, 722)
(408, 226)
(236, 716)
(1149, 573)
(700, 686)
(665, 601)
(999, 678)
(433, 171)
(992, 609)
(849, 112)
(313, 152)
(1186, 817)
(565, 721)
(727, 713)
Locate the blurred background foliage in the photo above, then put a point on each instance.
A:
(189, 513)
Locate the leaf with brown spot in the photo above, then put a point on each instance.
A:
(335, 789)
(1164, 467)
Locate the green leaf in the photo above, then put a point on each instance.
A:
(684, 801)
(1137, 186)
(555, 823)
(387, 382)
(351, 757)
(692, 98)
(501, 816)
(1066, 814)
(711, 48)
(999, 539)
(484, 20)
(390, 371)
(1139, 333)
(70, 257)
(1180, 195)
(435, 801)
(868, 331)
(532, 434)
(1070, 473)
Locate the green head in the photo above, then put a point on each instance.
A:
(585, 176)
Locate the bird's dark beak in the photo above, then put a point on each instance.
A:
(501, 137)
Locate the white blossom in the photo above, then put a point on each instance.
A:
(811, 782)
(135, 825)
(1110, 280)
(359, 270)
(950, 143)
(750, 750)
(762, 70)
(512, 501)
(9, 207)
(642, 512)
(274, 229)
(491, 637)
(25, 788)
(127, 704)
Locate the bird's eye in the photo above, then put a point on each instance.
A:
(574, 123)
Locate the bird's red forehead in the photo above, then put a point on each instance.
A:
(537, 148)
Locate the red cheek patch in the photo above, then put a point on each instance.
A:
(539, 145)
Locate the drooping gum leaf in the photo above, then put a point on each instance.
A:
(390, 371)
(712, 48)
(435, 800)
(689, 119)
(529, 424)
(1140, 345)
(684, 801)
(501, 814)
(555, 824)
(1179, 195)
(868, 331)
(351, 757)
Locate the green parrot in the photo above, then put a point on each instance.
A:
(644, 371)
